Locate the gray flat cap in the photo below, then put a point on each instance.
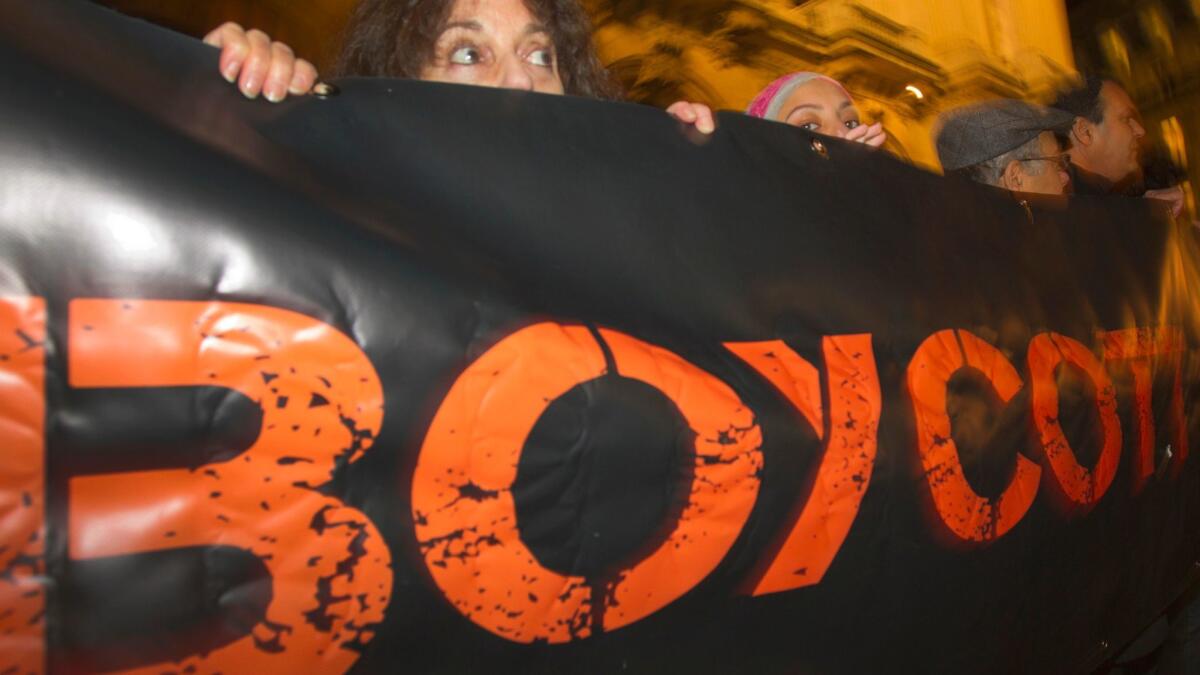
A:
(978, 132)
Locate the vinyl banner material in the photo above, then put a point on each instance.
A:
(421, 378)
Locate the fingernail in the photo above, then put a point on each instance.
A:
(273, 93)
(231, 71)
(706, 127)
(250, 88)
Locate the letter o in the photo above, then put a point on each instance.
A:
(463, 506)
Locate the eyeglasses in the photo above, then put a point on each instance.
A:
(1063, 161)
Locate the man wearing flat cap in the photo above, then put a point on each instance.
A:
(1006, 143)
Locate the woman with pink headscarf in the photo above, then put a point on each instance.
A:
(807, 100)
(817, 103)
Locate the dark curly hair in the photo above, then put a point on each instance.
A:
(396, 38)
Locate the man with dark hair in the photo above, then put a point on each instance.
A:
(1106, 154)
(1007, 144)
(1105, 142)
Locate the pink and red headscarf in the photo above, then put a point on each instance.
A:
(769, 102)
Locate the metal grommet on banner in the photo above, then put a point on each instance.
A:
(325, 90)
(819, 148)
(1167, 456)
(1028, 210)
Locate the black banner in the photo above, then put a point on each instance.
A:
(427, 378)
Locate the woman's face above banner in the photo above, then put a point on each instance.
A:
(821, 106)
(495, 43)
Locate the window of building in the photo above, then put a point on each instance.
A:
(1158, 33)
(1116, 51)
(1172, 135)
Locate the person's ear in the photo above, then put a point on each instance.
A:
(1082, 132)
(1013, 177)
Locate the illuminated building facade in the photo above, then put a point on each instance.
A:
(904, 61)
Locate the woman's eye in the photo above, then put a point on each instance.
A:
(542, 57)
(852, 124)
(811, 126)
(466, 56)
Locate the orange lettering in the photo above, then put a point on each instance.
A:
(1081, 485)
(850, 445)
(322, 402)
(724, 487)
(464, 509)
(22, 485)
(1136, 346)
(967, 514)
